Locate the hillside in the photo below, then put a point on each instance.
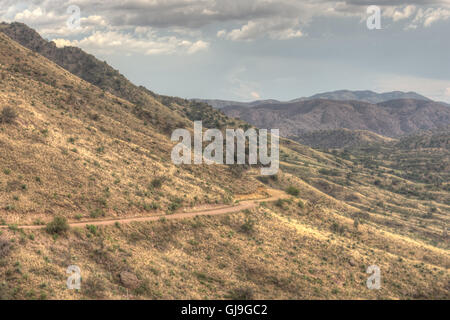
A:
(75, 150)
(421, 157)
(102, 75)
(392, 118)
(339, 138)
(438, 138)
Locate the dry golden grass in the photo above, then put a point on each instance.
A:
(286, 254)
(77, 151)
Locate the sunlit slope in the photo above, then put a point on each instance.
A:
(75, 149)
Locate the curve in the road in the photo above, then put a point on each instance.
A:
(243, 205)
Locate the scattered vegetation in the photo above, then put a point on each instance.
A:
(58, 225)
(293, 191)
(5, 248)
(8, 115)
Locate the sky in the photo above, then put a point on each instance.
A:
(248, 50)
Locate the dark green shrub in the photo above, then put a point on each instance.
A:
(293, 191)
(156, 183)
(337, 228)
(248, 225)
(59, 225)
(279, 203)
(8, 115)
(5, 248)
(176, 204)
(92, 229)
(97, 213)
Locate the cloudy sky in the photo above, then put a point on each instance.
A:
(255, 49)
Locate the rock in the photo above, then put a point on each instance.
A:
(352, 262)
(129, 280)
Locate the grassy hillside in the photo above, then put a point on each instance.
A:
(75, 149)
(287, 253)
(69, 148)
(379, 192)
(339, 138)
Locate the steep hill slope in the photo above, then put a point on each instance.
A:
(75, 149)
(102, 75)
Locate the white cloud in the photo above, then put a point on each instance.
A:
(447, 93)
(197, 46)
(420, 17)
(245, 20)
(61, 43)
(116, 42)
(400, 14)
(431, 16)
(97, 34)
(255, 95)
(289, 34)
(276, 29)
(240, 88)
(221, 33)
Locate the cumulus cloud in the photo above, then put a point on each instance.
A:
(182, 24)
(97, 32)
(197, 46)
(277, 29)
(431, 15)
(148, 43)
(402, 13)
(416, 16)
(61, 43)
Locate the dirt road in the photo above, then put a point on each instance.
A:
(248, 204)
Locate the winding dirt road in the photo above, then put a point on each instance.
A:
(243, 205)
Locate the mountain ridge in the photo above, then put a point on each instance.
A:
(161, 110)
(392, 118)
(338, 95)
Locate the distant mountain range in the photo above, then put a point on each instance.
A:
(340, 95)
(368, 96)
(393, 118)
(342, 118)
